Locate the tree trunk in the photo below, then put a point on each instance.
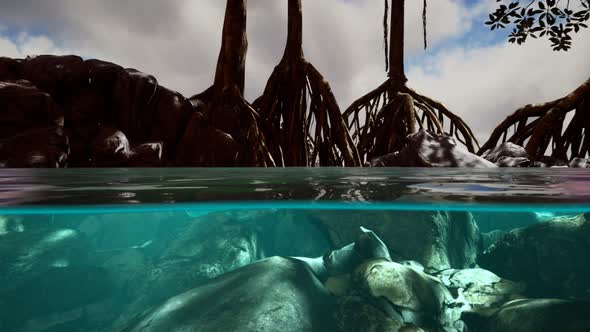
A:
(294, 48)
(231, 66)
(396, 42)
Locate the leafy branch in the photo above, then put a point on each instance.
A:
(541, 19)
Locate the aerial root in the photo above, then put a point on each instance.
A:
(381, 120)
(537, 127)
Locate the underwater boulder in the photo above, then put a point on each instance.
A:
(549, 257)
(205, 248)
(56, 291)
(425, 149)
(479, 287)
(490, 238)
(540, 315)
(29, 252)
(437, 240)
(276, 294)
(381, 295)
(417, 297)
(218, 243)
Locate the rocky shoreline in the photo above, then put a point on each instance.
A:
(64, 111)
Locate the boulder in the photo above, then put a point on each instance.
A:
(549, 257)
(133, 99)
(61, 76)
(579, 163)
(110, 148)
(479, 287)
(425, 149)
(504, 221)
(304, 238)
(416, 297)
(507, 155)
(438, 240)
(31, 250)
(513, 162)
(146, 155)
(56, 291)
(24, 107)
(203, 145)
(549, 161)
(11, 69)
(217, 243)
(490, 238)
(276, 294)
(42, 148)
(542, 315)
(172, 114)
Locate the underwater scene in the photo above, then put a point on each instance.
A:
(294, 250)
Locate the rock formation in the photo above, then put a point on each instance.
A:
(550, 257)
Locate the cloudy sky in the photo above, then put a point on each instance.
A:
(476, 73)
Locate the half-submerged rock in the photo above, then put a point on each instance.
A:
(425, 149)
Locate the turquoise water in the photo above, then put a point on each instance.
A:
(261, 250)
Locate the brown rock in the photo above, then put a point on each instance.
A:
(24, 107)
(205, 146)
(41, 147)
(11, 69)
(110, 148)
(58, 75)
(146, 155)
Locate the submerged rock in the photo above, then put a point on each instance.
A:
(217, 243)
(425, 149)
(541, 315)
(415, 297)
(28, 253)
(480, 288)
(276, 294)
(56, 290)
(438, 240)
(550, 257)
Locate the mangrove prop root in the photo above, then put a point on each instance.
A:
(223, 105)
(540, 126)
(381, 120)
(299, 113)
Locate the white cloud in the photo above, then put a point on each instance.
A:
(26, 44)
(486, 84)
(8, 48)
